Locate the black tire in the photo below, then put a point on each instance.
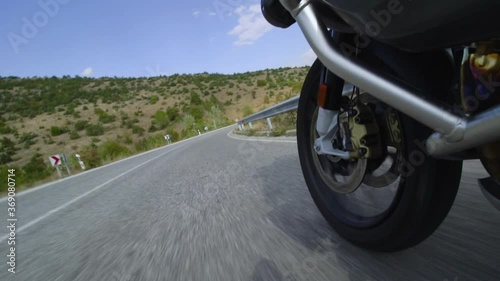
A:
(423, 199)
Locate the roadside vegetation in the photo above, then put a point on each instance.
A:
(283, 125)
(110, 118)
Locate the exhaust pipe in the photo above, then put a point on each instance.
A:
(454, 134)
(483, 128)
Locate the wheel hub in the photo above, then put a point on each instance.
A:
(356, 133)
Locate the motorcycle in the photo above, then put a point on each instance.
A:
(401, 94)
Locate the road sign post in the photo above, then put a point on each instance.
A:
(269, 123)
(59, 172)
(55, 160)
(82, 165)
(64, 160)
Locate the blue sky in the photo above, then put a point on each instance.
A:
(142, 38)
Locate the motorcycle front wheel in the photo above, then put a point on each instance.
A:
(403, 198)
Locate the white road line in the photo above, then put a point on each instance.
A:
(263, 139)
(27, 191)
(53, 211)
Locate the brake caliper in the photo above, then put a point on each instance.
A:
(360, 128)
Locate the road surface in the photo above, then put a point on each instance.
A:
(218, 208)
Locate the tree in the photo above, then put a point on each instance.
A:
(195, 99)
(188, 121)
(172, 113)
(215, 115)
(247, 110)
(36, 168)
(196, 112)
(160, 119)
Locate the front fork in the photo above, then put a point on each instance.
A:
(329, 96)
(329, 99)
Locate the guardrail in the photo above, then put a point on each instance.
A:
(282, 107)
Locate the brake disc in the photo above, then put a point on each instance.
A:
(342, 180)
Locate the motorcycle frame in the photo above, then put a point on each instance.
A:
(452, 133)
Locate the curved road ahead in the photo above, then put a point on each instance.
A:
(219, 208)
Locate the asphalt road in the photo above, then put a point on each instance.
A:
(218, 208)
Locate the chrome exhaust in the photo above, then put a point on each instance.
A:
(454, 134)
(480, 129)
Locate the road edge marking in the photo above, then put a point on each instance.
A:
(262, 139)
(53, 211)
(40, 187)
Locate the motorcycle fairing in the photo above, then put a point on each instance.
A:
(421, 25)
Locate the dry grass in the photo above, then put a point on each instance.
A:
(41, 124)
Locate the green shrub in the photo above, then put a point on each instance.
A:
(7, 146)
(5, 158)
(172, 113)
(94, 130)
(247, 110)
(261, 83)
(251, 132)
(153, 99)
(127, 139)
(137, 130)
(73, 135)
(196, 112)
(277, 133)
(80, 125)
(36, 169)
(98, 111)
(111, 149)
(106, 118)
(160, 120)
(57, 131)
(150, 143)
(195, 99)
(27, 139)
(90, 156)
(174, 135)
(152, 128)
(19, 176)
(5, 129)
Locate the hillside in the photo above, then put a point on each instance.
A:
(107, 118)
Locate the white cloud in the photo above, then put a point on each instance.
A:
(196, 13)
(212, 14)
(251, 25)
(307, 58)
(87, 72)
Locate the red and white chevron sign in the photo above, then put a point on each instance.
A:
(55, 160)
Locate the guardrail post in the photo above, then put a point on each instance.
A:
(269, 123)
(243, 126)
(250, 125)
(239, 127)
